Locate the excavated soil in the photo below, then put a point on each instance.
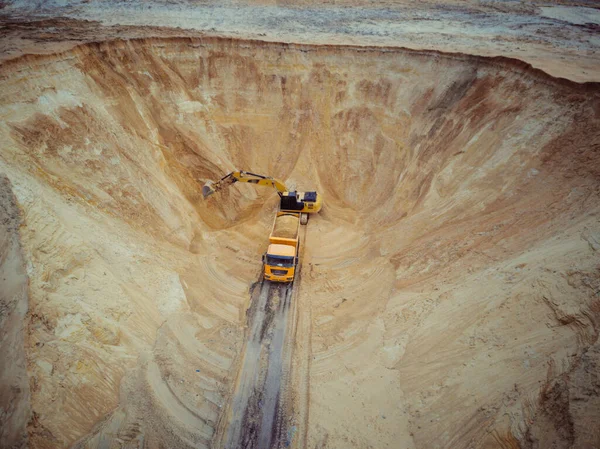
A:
(286, 226)
(448, 295)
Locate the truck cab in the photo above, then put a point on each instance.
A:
(280, 263)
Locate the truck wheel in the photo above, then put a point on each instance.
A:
(303, 219)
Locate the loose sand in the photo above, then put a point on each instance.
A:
(286, 226)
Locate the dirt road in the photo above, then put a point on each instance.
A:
(255, 419)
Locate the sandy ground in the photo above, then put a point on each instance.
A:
(448, 295)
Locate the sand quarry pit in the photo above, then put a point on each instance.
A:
(448, 294)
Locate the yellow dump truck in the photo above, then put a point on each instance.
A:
(281, 259)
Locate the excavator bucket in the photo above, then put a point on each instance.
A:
(207, 189)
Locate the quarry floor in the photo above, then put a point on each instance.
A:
(449, 290)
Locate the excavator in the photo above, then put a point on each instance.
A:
(303, 203)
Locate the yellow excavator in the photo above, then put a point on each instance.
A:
(303, 203)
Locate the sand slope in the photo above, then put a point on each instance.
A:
(448, 290)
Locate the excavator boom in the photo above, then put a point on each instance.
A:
(211, 187)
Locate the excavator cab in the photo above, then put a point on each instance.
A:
(291, 201)
(303, 202)
(308, 202)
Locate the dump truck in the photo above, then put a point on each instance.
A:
(281, 259)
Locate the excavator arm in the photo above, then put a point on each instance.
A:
(303, 203)
(242, 176)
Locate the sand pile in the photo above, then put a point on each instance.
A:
(450, 278)
(286, 226)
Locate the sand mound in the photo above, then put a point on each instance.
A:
(454, 261)
(286, 226)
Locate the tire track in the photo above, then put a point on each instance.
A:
(255, 412)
